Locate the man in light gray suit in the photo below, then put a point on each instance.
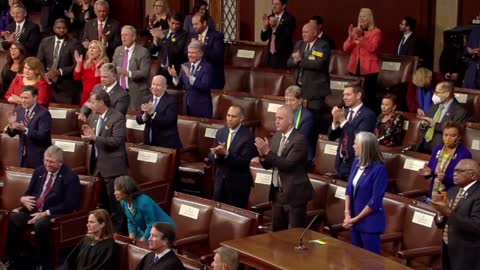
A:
(133, 64)
(107, 132)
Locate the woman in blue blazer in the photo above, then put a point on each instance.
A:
(364, 213)
(141, 211)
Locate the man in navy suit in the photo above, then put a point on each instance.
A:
(54, 190)
(346, 124)
(32, 123)
(233, 149)
(213, 47)
(159, 114)
(22, 30)
(408, 43)
(197, 79)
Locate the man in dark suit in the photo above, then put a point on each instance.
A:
(346, 124)
(107, 132)
(445, 108)
(213, 47)
(290, 189)
(233, 149)
(170, 45)
(278, 29)
(197, 79)
(32, 123)
(103, 28)
(159, 114)
(119, 98)
(460, 219)
(54, 190)
(56, 53)
(133, 63)
(318, 21)
(408, 42)
(22, 30)
(162, 257)
(310, 59)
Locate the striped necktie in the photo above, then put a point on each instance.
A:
(454, 204)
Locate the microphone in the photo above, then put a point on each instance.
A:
(300, 241)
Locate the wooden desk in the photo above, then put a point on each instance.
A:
(276, 251)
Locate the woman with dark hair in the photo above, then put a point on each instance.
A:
(80, 13)
(368, 181)
(200, 6)
(141, 211)
(97, 248)
(15, 57)
(389, 127)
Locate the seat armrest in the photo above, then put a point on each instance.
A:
(180, 243)
(261, 207)
(391, 237)
(419, 252)
(414, 193)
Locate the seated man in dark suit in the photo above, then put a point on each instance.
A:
(347, 122)
(54, 190)
(159, 114)
(408, 42)
(445, 108)
(22, 30)
(233, 149)
(162, 257)
(197, 79)
(32, 123)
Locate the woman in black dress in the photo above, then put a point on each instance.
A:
(389, 128)
(14, 64)
(80, 13)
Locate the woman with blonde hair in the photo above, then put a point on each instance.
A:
(32, 74)
(420, 90)
(89, 70)
(159, 17)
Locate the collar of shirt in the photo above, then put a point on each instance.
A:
(446, 105)
(287, 134)
(104, 23)
(204, 33)
(159, 98)
(355, 109)
(61, 40)
(468, 186)
(235, 130)
(311, 44)
(31, 108)
(279, 16)
(320, 35)
(406, 35)
(104, 114)
(21, 24)
(161, 254)
(109, 88)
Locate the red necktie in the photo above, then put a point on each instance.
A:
(272, 43)
(41, 200)
(123, 79)
(100, 31)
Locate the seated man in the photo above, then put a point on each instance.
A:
(22, 30)
(54, 190)
(225, 259)
(162, 236)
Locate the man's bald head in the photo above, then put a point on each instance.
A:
(309, 32)
(159, 85)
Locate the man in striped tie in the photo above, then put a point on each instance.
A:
(459, 217)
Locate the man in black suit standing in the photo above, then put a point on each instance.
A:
(54, 190)
(162, 257)
(159, 114)
(318, 21)
(32, 123)
(170, 45)
(310, 59)
(22, 30)
(233, 149)
(290, 189)
(408, 42)
(278, 29)
(103, 28)
(57, 55)
(459, 217)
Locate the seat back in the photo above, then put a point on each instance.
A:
(396, 69)
(207, 131)
(135, 255)
(406, 176)
(337, 84)
(5, 110)
(335, 202)
(244, 100)
(261, 185)
(413, 133)
(325, 156)
(267, 82)
(236, 79)
(394, 206)
(320, 187)
(188, 129)
(15, 184)
(121, 251)
(74, 152)
(64, 119)
(471, 139)
(339, 62)
(9, 156)
(180, 96)
(246, 55)
(470, 99)
(266, 108)
(135, 132)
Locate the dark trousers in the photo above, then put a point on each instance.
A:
(111, 204)
(277, 60)
(321, 117)
(285, 216)
(445, 258)
(373, 95)
(225, 192)
(344, 168)
(368, 241)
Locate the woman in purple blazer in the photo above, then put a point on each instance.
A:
(368, 181)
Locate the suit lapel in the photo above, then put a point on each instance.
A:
(467, 195)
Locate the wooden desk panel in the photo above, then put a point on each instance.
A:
(276, 251)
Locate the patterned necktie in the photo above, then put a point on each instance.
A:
(17, 32)
(436, 119)
(56, 55)
(100, 31)
(193, 69)
(27, 117)
(454, 204)
(41, 200)
(273, 48)
(123, 79)
(344, 145)
(276, 177)
(230, 138)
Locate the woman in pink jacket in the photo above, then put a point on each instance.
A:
(363, 44)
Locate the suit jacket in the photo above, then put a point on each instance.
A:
(369, 190)
(139, 66)
(38, 138)
(29, 37)
(331, 41)
(214, 49)
(198, 97)
(364, 120)
(169, 261)
(111, 32)
(409, 47)
(306, 127)
(313, 69)
(292, 168)
(463, 229)
(172, 47)
(162, 123)
(283, 40)
(119, 99)
(65, 89)
(110, 144)
(64, 197)
(366, 51)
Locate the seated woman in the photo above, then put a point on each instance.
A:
(15, 57)
(444, 158)
(420, 90)
(96, 250)
(389, 127)
(33, 74)
(141, 211)
(303, 120)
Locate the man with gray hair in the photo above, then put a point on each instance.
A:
(197, 79)
(133, 64)
(225, 259)
(54, 190)
(290, 189)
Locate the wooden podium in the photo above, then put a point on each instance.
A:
(277, 251)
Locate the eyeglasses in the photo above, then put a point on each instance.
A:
(462, 171)
(440, 92)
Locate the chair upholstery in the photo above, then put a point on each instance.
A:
(5, 110)
(470, 99)
(325, 157)
(74, 152)
(64, 119)
(396, 69)
(245, 100)
(394, 206)
(413, 133)
(267, 82)
(471, 139)
(236, 79)
(318, 204)
(266, 109)
(338, 62)
(335, 206)
(405, 176)
(243, 54)
(135, 132)
(180, 96)
(9, 155)
(188, 129)
(227, 224)
(337, 84)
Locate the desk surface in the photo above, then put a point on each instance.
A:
(276, 251)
